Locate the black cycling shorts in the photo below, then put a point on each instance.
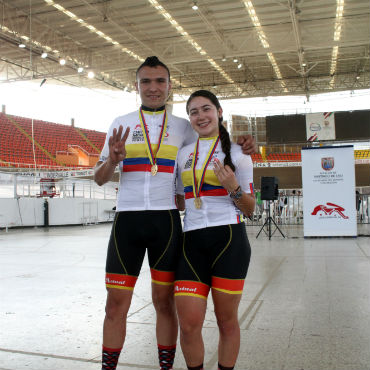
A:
(134, 232)
(213, 257)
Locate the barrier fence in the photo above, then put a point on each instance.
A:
(290, 211)
(287, 210)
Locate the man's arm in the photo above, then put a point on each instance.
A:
(104, 171)
(248, 144)
(180, 202)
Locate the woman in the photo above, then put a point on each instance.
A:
(217, 180)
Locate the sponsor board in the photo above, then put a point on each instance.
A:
(320, 126)
(328, 179)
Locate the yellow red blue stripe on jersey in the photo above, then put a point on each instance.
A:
(207, 190)
(210, 187)
(251, 187)
(144, 165)
(239, 219)
(137, 159)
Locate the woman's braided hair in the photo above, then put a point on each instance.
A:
(224, 135)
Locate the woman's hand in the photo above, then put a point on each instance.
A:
(225, 175)
(117, 149)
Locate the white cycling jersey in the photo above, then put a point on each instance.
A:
(139, 189)
(217, 207)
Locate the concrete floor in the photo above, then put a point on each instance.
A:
(305, 306)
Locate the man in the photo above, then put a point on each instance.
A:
(144, 144)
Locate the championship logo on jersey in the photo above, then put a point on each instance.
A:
(189, 161)
(327, 164)
(137, 134)
(166, 135)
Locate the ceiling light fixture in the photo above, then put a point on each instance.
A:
(44, 55)
(80, 69)
(22, 46)
(235, 60)
(337, 34)
(190, 40)
(195, 6)
(263, 39)
(240, 65)
(91, 74)
(62, 62)
(224, 59)
(91, 28)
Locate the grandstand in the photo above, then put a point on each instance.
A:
(61, 147)
(284, 157)
(25, 143)
(362, 154)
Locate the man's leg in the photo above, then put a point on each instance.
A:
(114, 329)
(166, 325)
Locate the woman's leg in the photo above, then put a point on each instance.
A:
(226, 310)
(191, 312)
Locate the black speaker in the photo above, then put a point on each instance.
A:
(269, 188)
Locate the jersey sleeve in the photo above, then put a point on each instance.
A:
(190, 135)
(244, 173)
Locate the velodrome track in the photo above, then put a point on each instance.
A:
(305, 303)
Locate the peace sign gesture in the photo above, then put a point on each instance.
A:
(117, 149)
(225, 175)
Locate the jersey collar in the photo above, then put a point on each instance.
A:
(147, 109)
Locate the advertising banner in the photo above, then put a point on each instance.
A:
(320, 126)
(329, 200)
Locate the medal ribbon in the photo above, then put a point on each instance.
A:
(148, 145)
(196, 190)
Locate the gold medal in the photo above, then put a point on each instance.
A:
(197, 186)
(154, 169)
(151, 155)
(198, 203)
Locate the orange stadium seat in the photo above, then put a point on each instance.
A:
(16, 148)
(284, 157)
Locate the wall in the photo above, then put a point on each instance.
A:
(65, 211)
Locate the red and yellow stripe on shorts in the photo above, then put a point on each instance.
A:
(162, 277)
(120, 281)
(230, 286)
(191, 289)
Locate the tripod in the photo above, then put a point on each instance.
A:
(267, 223)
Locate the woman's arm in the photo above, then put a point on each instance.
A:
(244, 201)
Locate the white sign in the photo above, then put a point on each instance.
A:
(329, 201)
(276, 164)
(53, 174)
(320, 126)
